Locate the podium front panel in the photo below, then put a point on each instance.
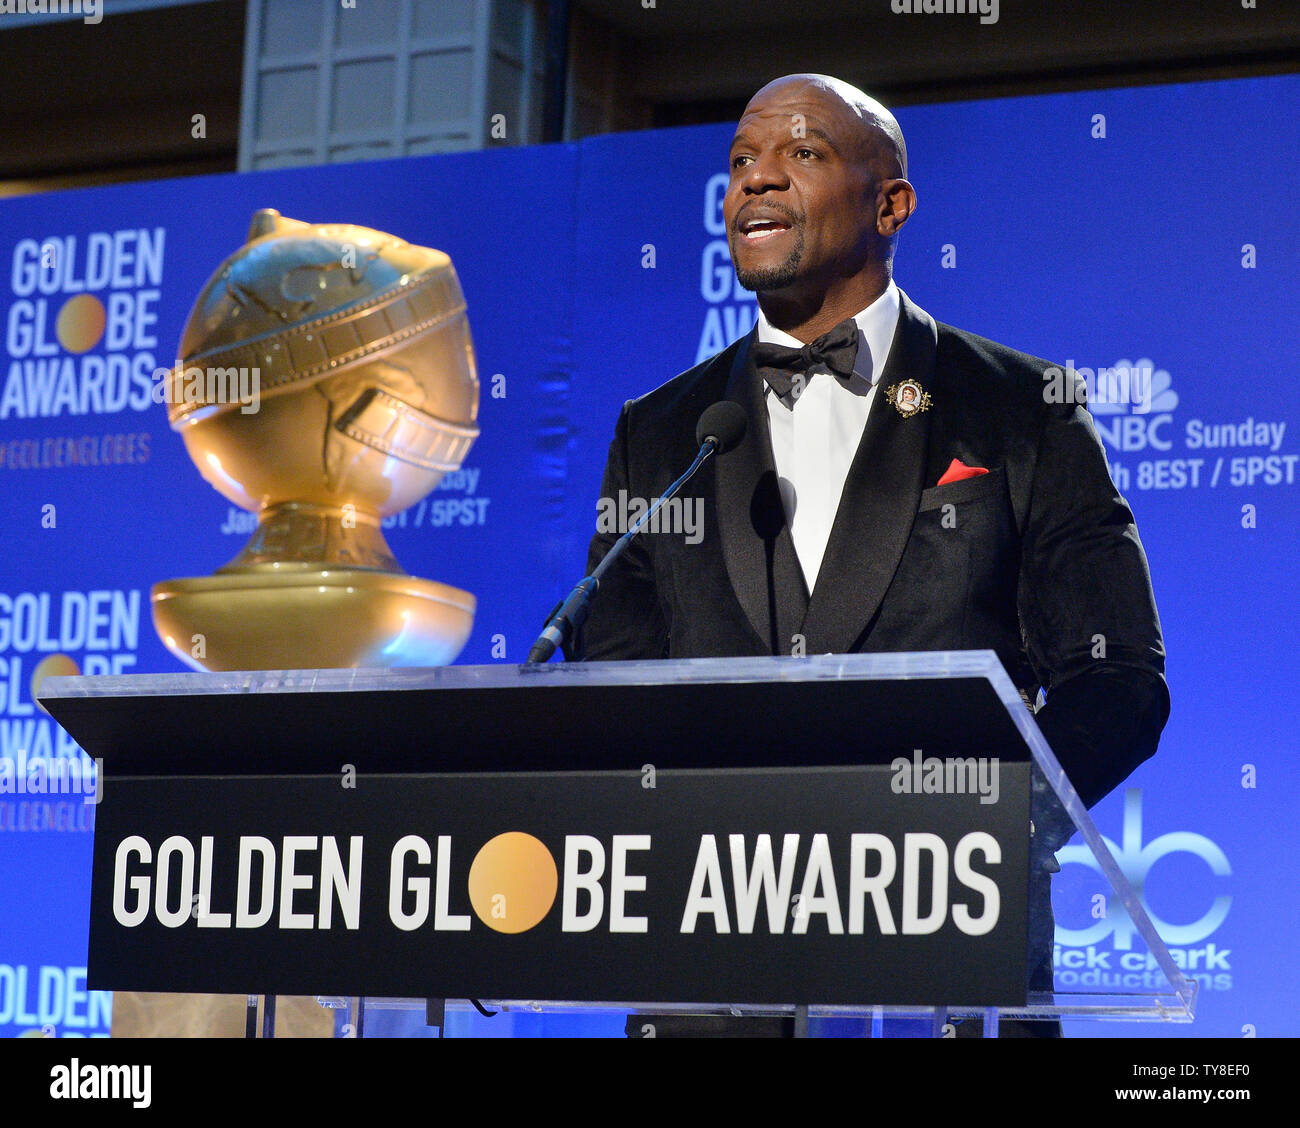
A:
(836, 830)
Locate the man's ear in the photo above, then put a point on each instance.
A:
(895, 202)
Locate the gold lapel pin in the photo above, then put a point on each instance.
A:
(909, 397)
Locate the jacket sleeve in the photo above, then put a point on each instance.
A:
(1088, 613)
(625, 619)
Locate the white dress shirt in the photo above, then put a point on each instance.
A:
(816, 434)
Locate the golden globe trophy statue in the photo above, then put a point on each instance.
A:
(326, 379)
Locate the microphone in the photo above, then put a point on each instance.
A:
(719, 430)
(722, 424)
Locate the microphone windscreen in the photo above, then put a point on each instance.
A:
(724, 422)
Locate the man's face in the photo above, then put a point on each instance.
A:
(800, 205)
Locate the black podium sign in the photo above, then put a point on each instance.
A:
(770, 886)
(748, 857)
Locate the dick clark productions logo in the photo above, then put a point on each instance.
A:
(1136, 860)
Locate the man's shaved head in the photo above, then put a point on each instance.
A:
(880, 136)
(816, 195)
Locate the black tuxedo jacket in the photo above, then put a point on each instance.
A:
(1039, 559)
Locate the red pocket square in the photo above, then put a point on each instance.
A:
(957, 470)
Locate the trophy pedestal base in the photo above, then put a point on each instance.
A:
(140, 1015)
(291, 617)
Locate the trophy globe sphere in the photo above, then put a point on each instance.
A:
(359, 349)
(325, 380)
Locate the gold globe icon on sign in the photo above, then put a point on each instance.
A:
(53, 666)
(513, 882)
(80, 323)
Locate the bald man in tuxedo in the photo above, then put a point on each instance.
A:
(902, 484)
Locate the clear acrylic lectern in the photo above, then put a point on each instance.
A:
(862, 836)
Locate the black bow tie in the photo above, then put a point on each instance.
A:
(783, 367)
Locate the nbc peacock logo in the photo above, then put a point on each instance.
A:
(1132, 386)
(1132, 404)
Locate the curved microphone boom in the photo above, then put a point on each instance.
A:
(719, 430)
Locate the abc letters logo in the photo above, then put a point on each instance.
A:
(1136, 861)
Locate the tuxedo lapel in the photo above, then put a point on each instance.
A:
(760, 557)
(880, 498)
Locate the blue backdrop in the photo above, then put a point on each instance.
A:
(1151, 225)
